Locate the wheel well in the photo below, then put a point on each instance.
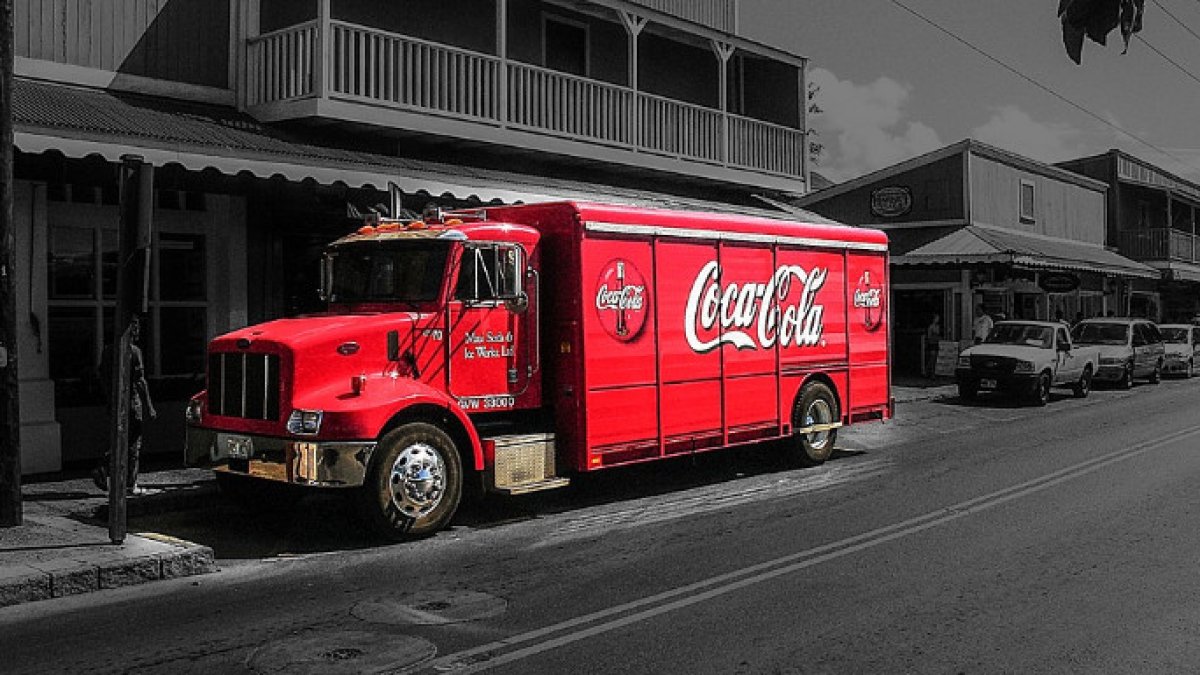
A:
(828, 382)
(444, 420)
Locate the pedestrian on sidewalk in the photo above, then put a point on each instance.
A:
(982, 326)
(140, 406)
(933, 335)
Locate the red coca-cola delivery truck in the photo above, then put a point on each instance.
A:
(509, 348)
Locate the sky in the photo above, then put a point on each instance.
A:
(891, 86)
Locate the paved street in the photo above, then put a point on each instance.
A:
(980, 538)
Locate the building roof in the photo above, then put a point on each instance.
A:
(81, 122)
(976, 244)
(965, 146)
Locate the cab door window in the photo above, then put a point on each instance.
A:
(489, 273)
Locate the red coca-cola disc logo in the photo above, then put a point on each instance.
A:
(622, 300)
(868, 297)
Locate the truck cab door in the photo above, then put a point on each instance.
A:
(490, 328)
(1067, 364)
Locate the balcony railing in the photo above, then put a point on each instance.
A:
(1160, 244)
(393, 71)
(718, 14)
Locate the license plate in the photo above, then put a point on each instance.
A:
(987, 384)
(239, 447)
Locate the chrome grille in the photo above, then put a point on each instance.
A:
(244, 385)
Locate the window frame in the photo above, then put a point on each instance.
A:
(1031, 215)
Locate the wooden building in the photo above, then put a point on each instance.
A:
(263, 119)
(972, 225)
(1152, 217)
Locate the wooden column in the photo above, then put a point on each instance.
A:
(10, 409)
(805, 162)
(323, 50)
(723, 52)
(634, 25)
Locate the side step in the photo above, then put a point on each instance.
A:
(524, 463)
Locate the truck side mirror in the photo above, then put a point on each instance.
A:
(1064, 346)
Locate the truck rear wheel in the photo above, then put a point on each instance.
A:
(1084, 386)
(816, 406)
(415, 482)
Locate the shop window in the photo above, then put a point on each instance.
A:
(82, 272)
(1028, 201)
(565, 45)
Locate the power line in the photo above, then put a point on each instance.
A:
(1168, 59)
(1177, 19)
(1039, 85)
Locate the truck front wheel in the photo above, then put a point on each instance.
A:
(817, 406)
(415, 482)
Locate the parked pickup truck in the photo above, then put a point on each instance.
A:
(1027, 358)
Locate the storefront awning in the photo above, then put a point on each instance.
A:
(1179, 271)
(79, 122)
(977, 244)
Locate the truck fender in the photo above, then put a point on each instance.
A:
(425, 402)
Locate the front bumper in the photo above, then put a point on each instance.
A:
(1008, 382)
(1175, 366)
(335, 464)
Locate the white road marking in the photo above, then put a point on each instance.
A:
(495, 653)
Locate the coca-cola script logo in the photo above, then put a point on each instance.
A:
(756, 315)
(869, 298)
(622, 301)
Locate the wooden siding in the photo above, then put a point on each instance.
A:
(178, 40)
(718, 14)
(1061, 209)
(937, 195)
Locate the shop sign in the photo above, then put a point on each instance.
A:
(891, 202)
(1058, 282)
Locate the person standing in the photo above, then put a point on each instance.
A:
(140, 406)
(933, 335)
(982, 326)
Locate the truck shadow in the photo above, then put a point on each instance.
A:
(325, 523)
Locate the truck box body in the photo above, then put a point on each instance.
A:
(698, 355)
(536, 341)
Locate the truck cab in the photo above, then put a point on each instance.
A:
(1027, 358)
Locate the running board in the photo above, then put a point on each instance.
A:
(550, 484)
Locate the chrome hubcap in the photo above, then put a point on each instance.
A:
(818, 412)
(418, 480)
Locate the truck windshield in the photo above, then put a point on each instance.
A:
(1101, 333)
(1026, 335)
(387, 271)
(1174, 336)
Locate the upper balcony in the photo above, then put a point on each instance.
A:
(620, 107)
(1160, 244)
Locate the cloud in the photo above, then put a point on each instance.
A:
(1013, 129)
(863, 127)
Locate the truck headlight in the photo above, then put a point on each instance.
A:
(194, 413)
(305, 422)
(1023, 367)
(964, 362)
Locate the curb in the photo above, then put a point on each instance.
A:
(142, 558)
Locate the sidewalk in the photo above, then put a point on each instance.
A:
(911, 389)
(62, 548)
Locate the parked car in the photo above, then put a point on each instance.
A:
(1129, 348)
(1026, 358)
(1182, 342)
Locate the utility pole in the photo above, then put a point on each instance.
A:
(10, 415)
(136, 184)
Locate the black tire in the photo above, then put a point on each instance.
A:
(1084, 386)
(967, 391)
(815, 405)
(1156, 376)
(1127, 380)
(397, 509)
(1041, 390)
(257, 494)
(1191, 370)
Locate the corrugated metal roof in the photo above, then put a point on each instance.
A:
(981, 244)
(80, 122)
